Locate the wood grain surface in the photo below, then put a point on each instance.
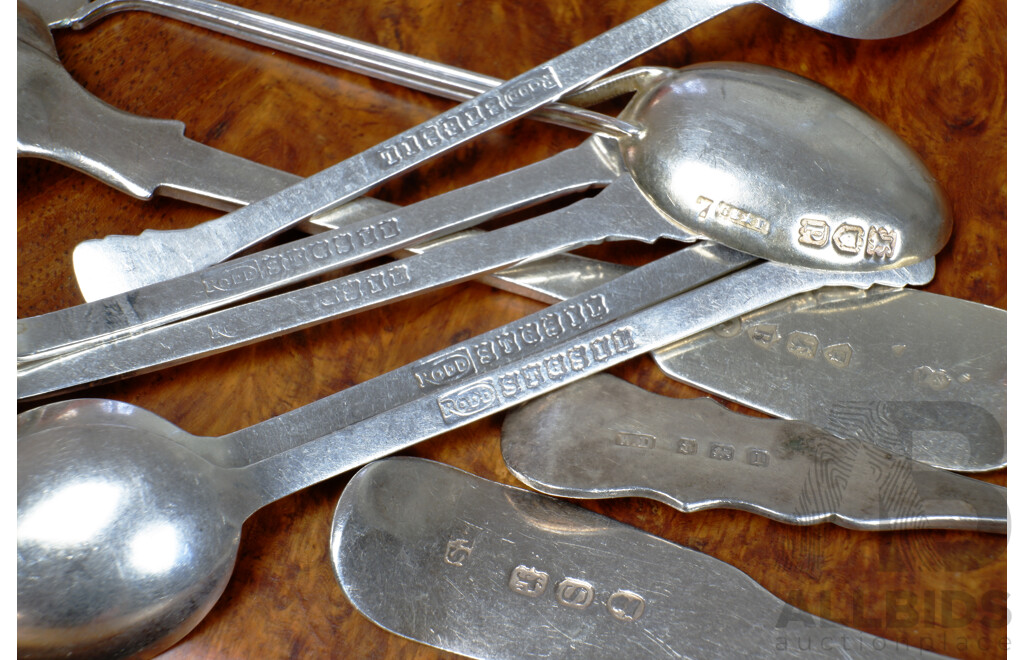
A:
(943, 89)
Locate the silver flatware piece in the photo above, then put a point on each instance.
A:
(915, 373)
(488, 571)
(603, 437)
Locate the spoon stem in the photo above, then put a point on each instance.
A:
(342, 52)
(685, 269)
(186, 251)
(542, 371)
(619, 212)
(74, 328)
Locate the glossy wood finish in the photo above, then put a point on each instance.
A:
(943, 89)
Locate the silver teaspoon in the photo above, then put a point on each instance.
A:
(171, 254)
(761, 153)
(489, 571)
(126, 538)
(603, 437)
(168, 254)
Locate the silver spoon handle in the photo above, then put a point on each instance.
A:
(342, 52)
(546, 369)
(189, 250)
(219, 285)
(695, 454)
(617, 213)
(106, 143)
(60, 121)
(500, 573)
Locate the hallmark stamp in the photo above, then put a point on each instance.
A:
(838, 355)
(637, 440)
(686, 446)
(468, 401)
(813, 232)
(458, 551)
(721, 452)
(848, 238)
(528, 581)
(802, 344)
(626, 605)
(757, 457)
(881, 243)
(764, 334)
(574, 593)
(444, 369)
(742, 218)
(935, 379)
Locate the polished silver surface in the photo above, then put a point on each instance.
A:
(676, 272)
(829, 358)
(59, 120)
(488, 571)
(170, 254)
(550, 279)
(190, 508)
(603, 437)
(919, 374)
(790, 188)
(728, 198)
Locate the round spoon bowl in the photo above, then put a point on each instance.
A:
(862, 19)
(127, 550)
(806, 177)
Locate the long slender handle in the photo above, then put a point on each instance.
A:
(695, 454)
(186, 251)
(342, 52)
(684, 269)
(586, 222)
(57, 332)
(567, 582)
(142, 157)
(542, 371)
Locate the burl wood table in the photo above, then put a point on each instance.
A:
(943, 89)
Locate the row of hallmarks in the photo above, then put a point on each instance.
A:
(282, 262)
(356, 290)
(720, 451)
(847, 237)
(510, 342)
(492, 104)
(487, 393)
(800, 344)
(574, 593)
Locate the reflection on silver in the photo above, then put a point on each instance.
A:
(156, 548)
(73, 514)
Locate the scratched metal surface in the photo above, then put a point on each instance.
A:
(942, 89)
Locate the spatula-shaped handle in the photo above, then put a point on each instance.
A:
(473, 567)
